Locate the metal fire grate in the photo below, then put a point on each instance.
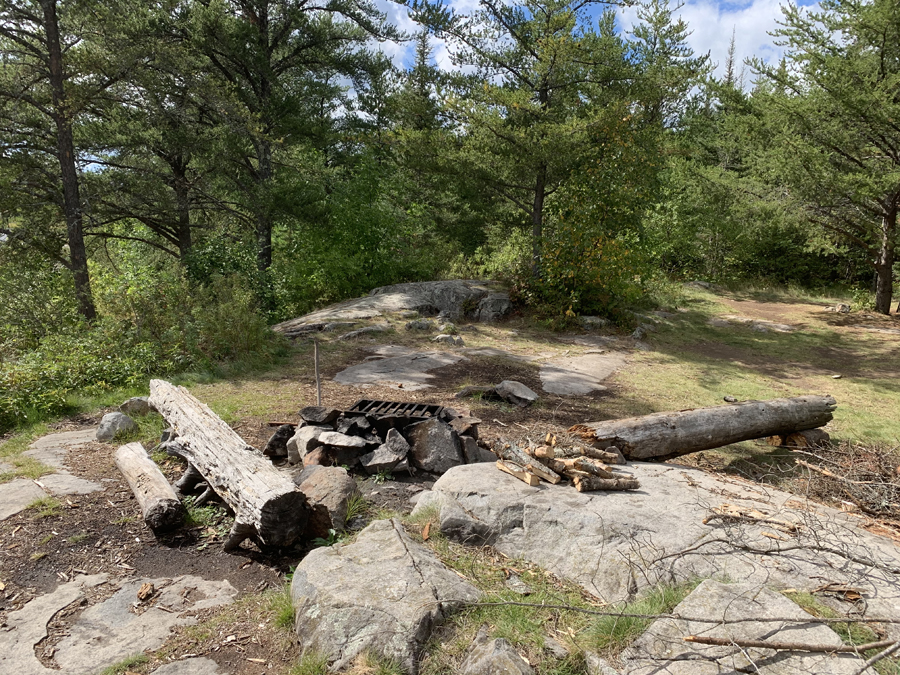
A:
(395, 409)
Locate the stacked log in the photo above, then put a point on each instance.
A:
(580, 465)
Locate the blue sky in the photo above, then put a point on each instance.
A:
(711, 23)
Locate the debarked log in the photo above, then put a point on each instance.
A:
(160, 506)
(671, 434)
(268, 508)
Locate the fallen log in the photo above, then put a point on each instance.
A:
(666, 435)
(268, 508)
(160, 506)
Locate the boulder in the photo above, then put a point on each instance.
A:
(277, 443)
(377, 328)
(661, 648)
(353, 426)
(597, 665)
(591, 322)
(669, 530)
(388, 455)
(304, 441)
(301, 474)
(318, 457)
(383, 593)
(319, 415)
(114, 424)
(420, 324)
(328, 493)
(454, 340)
(467, 426)
(493, 657)
(435, 446)
(474, 453)
(493, 307)
(343, 450)
(137, 405)
(516, 393)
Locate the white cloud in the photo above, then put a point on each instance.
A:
(710, 22)
(711, 25)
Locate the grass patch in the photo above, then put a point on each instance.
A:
(128, 663)
(46, 507)
(528, 627)
(609, 635)
(34, 557)
(850, 633)
(205, 515)
(11, 451)
(76, 539)
(45, 540)
(357, 506)
(282, 608)
(311, 663)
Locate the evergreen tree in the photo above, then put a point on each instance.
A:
(833, 110)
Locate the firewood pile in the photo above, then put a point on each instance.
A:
(587, 467)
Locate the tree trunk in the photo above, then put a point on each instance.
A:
(161, 508)
(268, 508)
(66, 154)
(884, 266)
(665, 435)
(537, 220)
(264, 212)
(183, 206)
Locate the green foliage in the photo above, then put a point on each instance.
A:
(611, 634)
(155, 323)
(46, 507)
(282, 606)
(311, 663)
(126, 664)
(357, 505)
(333, 538)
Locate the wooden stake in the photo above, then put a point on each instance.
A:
(316, 364)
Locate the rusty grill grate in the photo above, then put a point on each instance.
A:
(395, 409)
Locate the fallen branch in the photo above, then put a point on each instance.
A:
(826, 472)
(878, 657)
(680, 617)
(868, 562)
(786, 646)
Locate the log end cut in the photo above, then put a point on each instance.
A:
(283, 519)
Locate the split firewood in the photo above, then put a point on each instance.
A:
(515, 454)
(268, 508)
(591, 483)
(608, 456)
(542, 452)
(518, 471)
(591, 466)
(584, 465)
(160, 506)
